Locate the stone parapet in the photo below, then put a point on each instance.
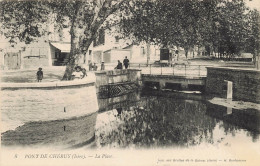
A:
(246, 83)
(52, 104)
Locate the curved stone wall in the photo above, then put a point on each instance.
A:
(50, 106)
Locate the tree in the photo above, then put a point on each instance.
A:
(233, 26)
(218, 25)
(252, 44)
(26, 20)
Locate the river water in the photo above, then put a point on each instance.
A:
(144, 121)
(163, 122)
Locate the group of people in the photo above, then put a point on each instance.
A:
(120, 65)
(78, 73)
(81, 72)
(94, 67)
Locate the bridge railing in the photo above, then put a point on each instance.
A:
(177, 69)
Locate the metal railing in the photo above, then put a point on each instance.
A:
(177, 69)
(162, 69)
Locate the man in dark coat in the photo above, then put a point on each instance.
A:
(126, 62)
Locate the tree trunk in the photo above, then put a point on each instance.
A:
(257, 62)
(148, 52)
(81, 38)
(193, 52)
(74, 53)
(74, 49)
(198, 54)
(186, 52)
(178, 48)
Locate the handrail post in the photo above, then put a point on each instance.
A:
(139, 66)
(161, 69)
(185, 69)
(150, 68)
(199, 70)
(172, 69)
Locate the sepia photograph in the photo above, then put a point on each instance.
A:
(130, 82)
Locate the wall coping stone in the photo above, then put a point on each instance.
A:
(109, 72)
(55, 84)
(235, 69)
(173, 76)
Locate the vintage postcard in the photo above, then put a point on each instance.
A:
(130, 82)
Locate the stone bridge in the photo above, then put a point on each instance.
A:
(115, 83)
(194, 83)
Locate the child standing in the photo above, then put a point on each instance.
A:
(39, 75)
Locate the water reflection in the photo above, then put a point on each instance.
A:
(235, 119)
(121, 102)
(163, 122)
(65, 133)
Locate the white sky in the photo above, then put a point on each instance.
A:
(254, 4)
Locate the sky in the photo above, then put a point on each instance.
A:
(253, 4)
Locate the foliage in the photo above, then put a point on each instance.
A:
(23, 20)
(27, 20)
(221, 26)
(252, 44)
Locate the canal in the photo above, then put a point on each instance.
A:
(165, 122)
(138, 121)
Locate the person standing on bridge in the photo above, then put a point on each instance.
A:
(126, 62)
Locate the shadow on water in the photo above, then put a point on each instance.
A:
(157, 121)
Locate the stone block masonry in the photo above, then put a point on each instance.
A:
(106, 78)
(117, 76)
(246, 83)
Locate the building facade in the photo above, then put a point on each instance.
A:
(52, 50)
